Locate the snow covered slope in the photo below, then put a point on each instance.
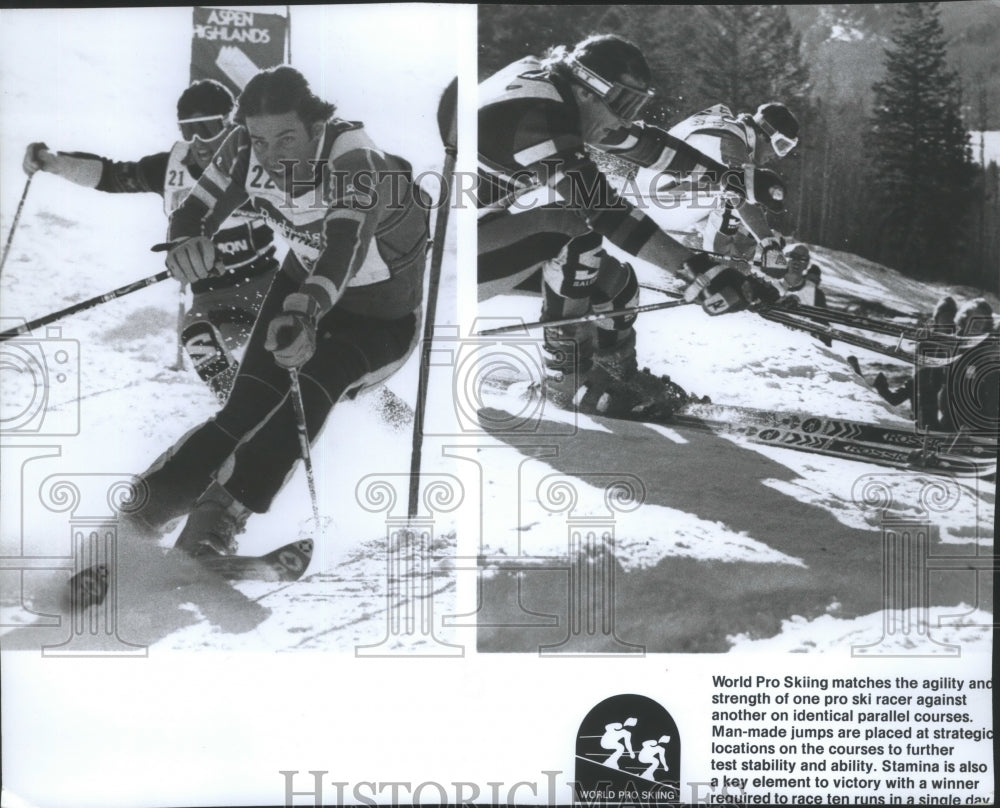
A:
(76, 80)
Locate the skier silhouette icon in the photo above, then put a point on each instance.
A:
(616, 737)
(653, 754)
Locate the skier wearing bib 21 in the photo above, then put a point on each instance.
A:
(737, 141)
(343, 311)
(545, 206)
(223, 307)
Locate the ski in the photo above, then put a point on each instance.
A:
(880, 454)
(285, 564)
(789, 431)
(823, 426)
(787, 318)
(861, 322)
(804, 318)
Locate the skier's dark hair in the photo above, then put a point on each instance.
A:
(278, 91)
(608, 55)
(205, 97)
(447, 109)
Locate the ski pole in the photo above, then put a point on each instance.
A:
(584, 318)
(181, 306)
(17, 217)
(300, 423)
(448, 123)
(859, 321)
(783, 317)
(86, 304)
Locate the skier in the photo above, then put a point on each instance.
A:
(800, 284)
(924, 387)
(970, 395)
(223, 308)
(546, 206)
(342, 313)
(655, 755)
(724, 227)
(954, 386)
(617, 739)
(801, 279)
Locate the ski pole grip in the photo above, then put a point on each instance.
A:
(36, 150)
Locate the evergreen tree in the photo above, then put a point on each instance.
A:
(922, 171)
(747, 55)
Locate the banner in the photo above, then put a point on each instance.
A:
(231, 46)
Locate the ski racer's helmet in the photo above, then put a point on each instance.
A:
(613, 68)
(203, 109)
(975, 317)
(944, 312)
(779, 124)
(798, 252)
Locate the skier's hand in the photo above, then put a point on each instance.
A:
(723, 289)
(37, 157)
(291, 336)
(772, 259)
(192, 259)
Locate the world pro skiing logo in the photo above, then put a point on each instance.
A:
(628, 751)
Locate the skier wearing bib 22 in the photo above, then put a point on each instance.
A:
(343, 310)
(224, 307)
(544, 205)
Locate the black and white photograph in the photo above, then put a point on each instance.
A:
(222, 234)
(417, 403)
(811, 352)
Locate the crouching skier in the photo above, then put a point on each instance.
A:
(545, 208)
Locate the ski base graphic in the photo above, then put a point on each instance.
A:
(287, 563)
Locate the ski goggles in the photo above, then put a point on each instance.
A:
(624, 101)
(205, 128)
(779, 142)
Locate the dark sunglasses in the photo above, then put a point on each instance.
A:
(207, 127)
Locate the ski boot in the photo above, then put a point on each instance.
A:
(572, 381)
(213, 524)
(659, 393)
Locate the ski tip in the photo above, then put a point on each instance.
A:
(285, 564)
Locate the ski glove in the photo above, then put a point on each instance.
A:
(192, 259)
(772, 258)
(723, 289)
(37, 157)
(291, 336)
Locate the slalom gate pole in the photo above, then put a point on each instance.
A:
(584, 318)
(300, 425)
(448, 124)
(17, 218)
(85, 304)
